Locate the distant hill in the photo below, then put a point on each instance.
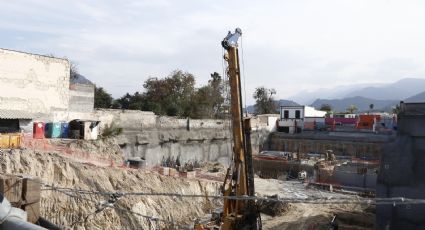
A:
(362, 103)
(308, 97)
(281, 102)
(393, 91)
(420, 97)
(396, 91)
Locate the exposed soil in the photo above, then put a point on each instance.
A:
(72, 213)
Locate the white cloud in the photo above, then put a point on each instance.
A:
(288, 45)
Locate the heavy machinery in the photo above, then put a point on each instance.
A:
(239, 180)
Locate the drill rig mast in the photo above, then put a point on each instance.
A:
(238, 214)
(239, 179)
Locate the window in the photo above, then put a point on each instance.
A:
(285, 114)
(297, 114)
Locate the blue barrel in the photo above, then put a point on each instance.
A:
(64, 130)
(56, 130)
(48, 130)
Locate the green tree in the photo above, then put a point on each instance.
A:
(352, 109)
(264, 101)
(326, 107)
(209, 99)
(170, 96)
(122, 102)
(116, 104)
(102, 99)
(396, 109)
(136, 101)
(175, 95)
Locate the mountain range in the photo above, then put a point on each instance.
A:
(420, 97)
(382, 96)
(362, 103)
(398, 90)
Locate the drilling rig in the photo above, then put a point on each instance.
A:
(239, 179)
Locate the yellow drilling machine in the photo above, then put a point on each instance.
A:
(239, 180)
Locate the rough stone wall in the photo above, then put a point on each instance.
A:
(81, 98)
(33, 83)
(402, 171)
(158, 137)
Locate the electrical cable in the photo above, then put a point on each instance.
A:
(243, 76)
(309, 200)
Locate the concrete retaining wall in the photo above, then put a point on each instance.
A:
(156, 137)
(367, 146)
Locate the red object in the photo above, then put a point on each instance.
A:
(366, 121)
(38, 130)
(340, 121)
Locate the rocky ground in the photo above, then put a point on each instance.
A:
(312, 216)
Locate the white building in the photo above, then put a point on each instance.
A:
(294, 118)
(38, 87)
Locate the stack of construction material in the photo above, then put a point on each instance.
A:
(22, 192)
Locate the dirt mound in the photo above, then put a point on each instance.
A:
(78, 211)
(273, 208)
(106, 148)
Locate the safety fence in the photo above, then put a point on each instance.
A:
(61, 146)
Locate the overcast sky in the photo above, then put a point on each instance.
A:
(288, 45)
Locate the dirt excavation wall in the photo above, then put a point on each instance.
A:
(74, 210)
(359, 145)
(155, 138)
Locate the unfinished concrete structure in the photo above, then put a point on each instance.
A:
(37, 87)
(33, 83)
(81, 94)
(402, 172)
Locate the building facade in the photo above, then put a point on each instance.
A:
(293, 119)
(33, 83)
(36, 87)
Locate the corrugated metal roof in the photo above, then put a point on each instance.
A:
(15, 114)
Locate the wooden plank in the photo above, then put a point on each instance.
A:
(11, 188)
(33, 211)
(31, 190)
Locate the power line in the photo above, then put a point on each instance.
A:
(243, 76)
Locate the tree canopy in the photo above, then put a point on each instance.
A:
(176, 95)
(352, 109)
(102, 99)
(264, 101)
(326, 107)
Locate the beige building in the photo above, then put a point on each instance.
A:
(33, 83)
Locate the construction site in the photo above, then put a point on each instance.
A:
(63, 167)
